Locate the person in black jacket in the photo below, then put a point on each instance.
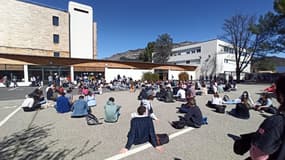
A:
(141, 131)
(268, 142)
(193, 117)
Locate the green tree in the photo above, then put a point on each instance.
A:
(162, 48)
(272, 26)
(146, 55)
(245, 43)
(149, 76)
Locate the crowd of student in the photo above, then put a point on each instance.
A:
(142, 129)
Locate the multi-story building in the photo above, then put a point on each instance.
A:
(212, 58)
(33, 29)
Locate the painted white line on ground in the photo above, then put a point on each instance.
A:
(12, 89)
(9, 116)
(8, 107)
(143, 147)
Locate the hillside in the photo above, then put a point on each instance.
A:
(132, 55)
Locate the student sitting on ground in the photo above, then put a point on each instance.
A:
(90, 99)
(168, 95)
(242, 108)
(186, 107)
(62, 104)
(141, 131)
(264, 103)
(147, 104)
(33, 101)
(193, 118)
(80, 108)
(217, 103)
(69, 95)
(181, 95)
(272, 88)
(112, 111)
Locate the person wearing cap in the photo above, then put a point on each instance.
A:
(268, 141)
(147, 104)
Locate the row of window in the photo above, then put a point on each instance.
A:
(188, 51)
(193, 61)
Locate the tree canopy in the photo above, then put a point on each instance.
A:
(162, 48)
(146, 56)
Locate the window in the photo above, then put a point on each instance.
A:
(179, 53)
(198, 50)
(55, 20)
(193, 51)
(56, 54)
(187, 62)
(55, 38)
(226, 61)
(188, 52)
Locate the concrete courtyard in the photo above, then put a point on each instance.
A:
(45, 134)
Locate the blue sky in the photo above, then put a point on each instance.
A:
(130, 24)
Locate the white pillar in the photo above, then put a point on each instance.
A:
(72, 73)
(26, 74)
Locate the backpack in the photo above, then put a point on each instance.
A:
(92, 119)
(162, 139)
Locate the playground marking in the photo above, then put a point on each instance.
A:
(145, 146)
(9, 116)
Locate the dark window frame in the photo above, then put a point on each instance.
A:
(56, 38)
(55, 20)
(56, 54)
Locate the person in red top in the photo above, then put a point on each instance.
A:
(272, 88)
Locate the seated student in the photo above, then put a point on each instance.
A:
(141, 131)
(90, 98)
(242, 108)
(168, 95)
(216, 101)
(51, 93)
(62, 104)
(181, 94)
(112, 111)
(85, 91)
(272, 88)
(146, 102)
(186, 107)
(33, 101)
(80, 108)
(142, 94)
(264, 103)
(161, 94)
(193, 118)
(227, 87)
(69, 95)
(204, 89)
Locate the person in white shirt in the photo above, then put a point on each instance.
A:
(181, 94)
(147, 104)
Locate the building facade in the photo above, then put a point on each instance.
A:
(212, 58)
(32, 29)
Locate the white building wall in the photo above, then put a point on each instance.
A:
(81, 30)
(135, 74)
(213, 59)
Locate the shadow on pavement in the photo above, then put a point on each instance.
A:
(31, 144)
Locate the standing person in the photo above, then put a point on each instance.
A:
(50, 79)
(268, 141)
(141, 131)
(14, 80)
(112, 111)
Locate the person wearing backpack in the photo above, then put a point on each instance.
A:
(268, 142)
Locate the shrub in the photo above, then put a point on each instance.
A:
(183, 76)
(149, 76)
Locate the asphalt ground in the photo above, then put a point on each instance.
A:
(46, 134)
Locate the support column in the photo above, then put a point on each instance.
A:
(26, 73)
(72, 73)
